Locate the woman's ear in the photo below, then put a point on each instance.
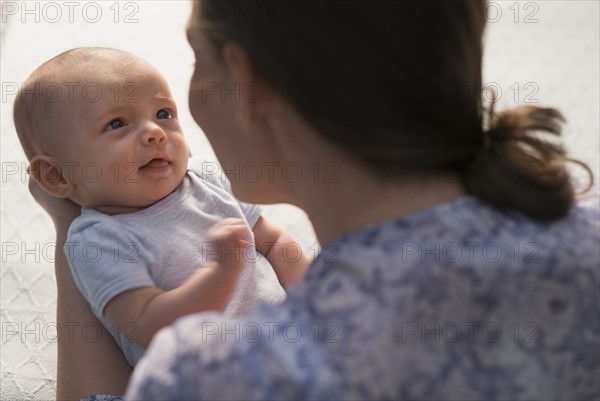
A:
(254, 96)
(48, 173)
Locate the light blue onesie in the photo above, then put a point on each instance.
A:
(159, 246)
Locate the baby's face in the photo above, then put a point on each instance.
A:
(123, 140)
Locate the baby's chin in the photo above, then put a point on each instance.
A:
(136, 199)
(160, 194)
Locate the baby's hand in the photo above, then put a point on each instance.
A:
(229, 240)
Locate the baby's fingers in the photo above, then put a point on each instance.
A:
(229, 238)
(230, 231)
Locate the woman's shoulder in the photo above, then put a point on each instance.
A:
(462, 276)
(467, 231)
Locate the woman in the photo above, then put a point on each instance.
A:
(454, 262)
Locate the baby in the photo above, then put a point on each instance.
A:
(99, 127)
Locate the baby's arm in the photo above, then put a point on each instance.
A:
(150, 308)
(285, 255)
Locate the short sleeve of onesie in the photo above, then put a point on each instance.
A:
(104, 259)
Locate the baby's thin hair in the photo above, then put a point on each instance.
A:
(36, 97)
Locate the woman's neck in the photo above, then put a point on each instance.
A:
(359, 201)
(348, 197)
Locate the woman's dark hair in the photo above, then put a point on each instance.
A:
(398, 85)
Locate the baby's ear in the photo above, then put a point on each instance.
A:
(48, 173)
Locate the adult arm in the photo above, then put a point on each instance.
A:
(83, 366)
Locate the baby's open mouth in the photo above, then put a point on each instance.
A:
(156, 163)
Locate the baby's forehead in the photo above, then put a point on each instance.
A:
(106, 72)
(96, 83)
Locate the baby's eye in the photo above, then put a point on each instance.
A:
(163, 114)
(115, 124)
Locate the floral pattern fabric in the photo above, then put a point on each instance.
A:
(459, 301)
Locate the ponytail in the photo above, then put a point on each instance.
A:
(520, 167)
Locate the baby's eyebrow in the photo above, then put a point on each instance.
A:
(113, 110)
(165, 98)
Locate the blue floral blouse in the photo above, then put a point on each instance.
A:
(456, 302)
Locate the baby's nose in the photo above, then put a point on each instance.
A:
(153, 133)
